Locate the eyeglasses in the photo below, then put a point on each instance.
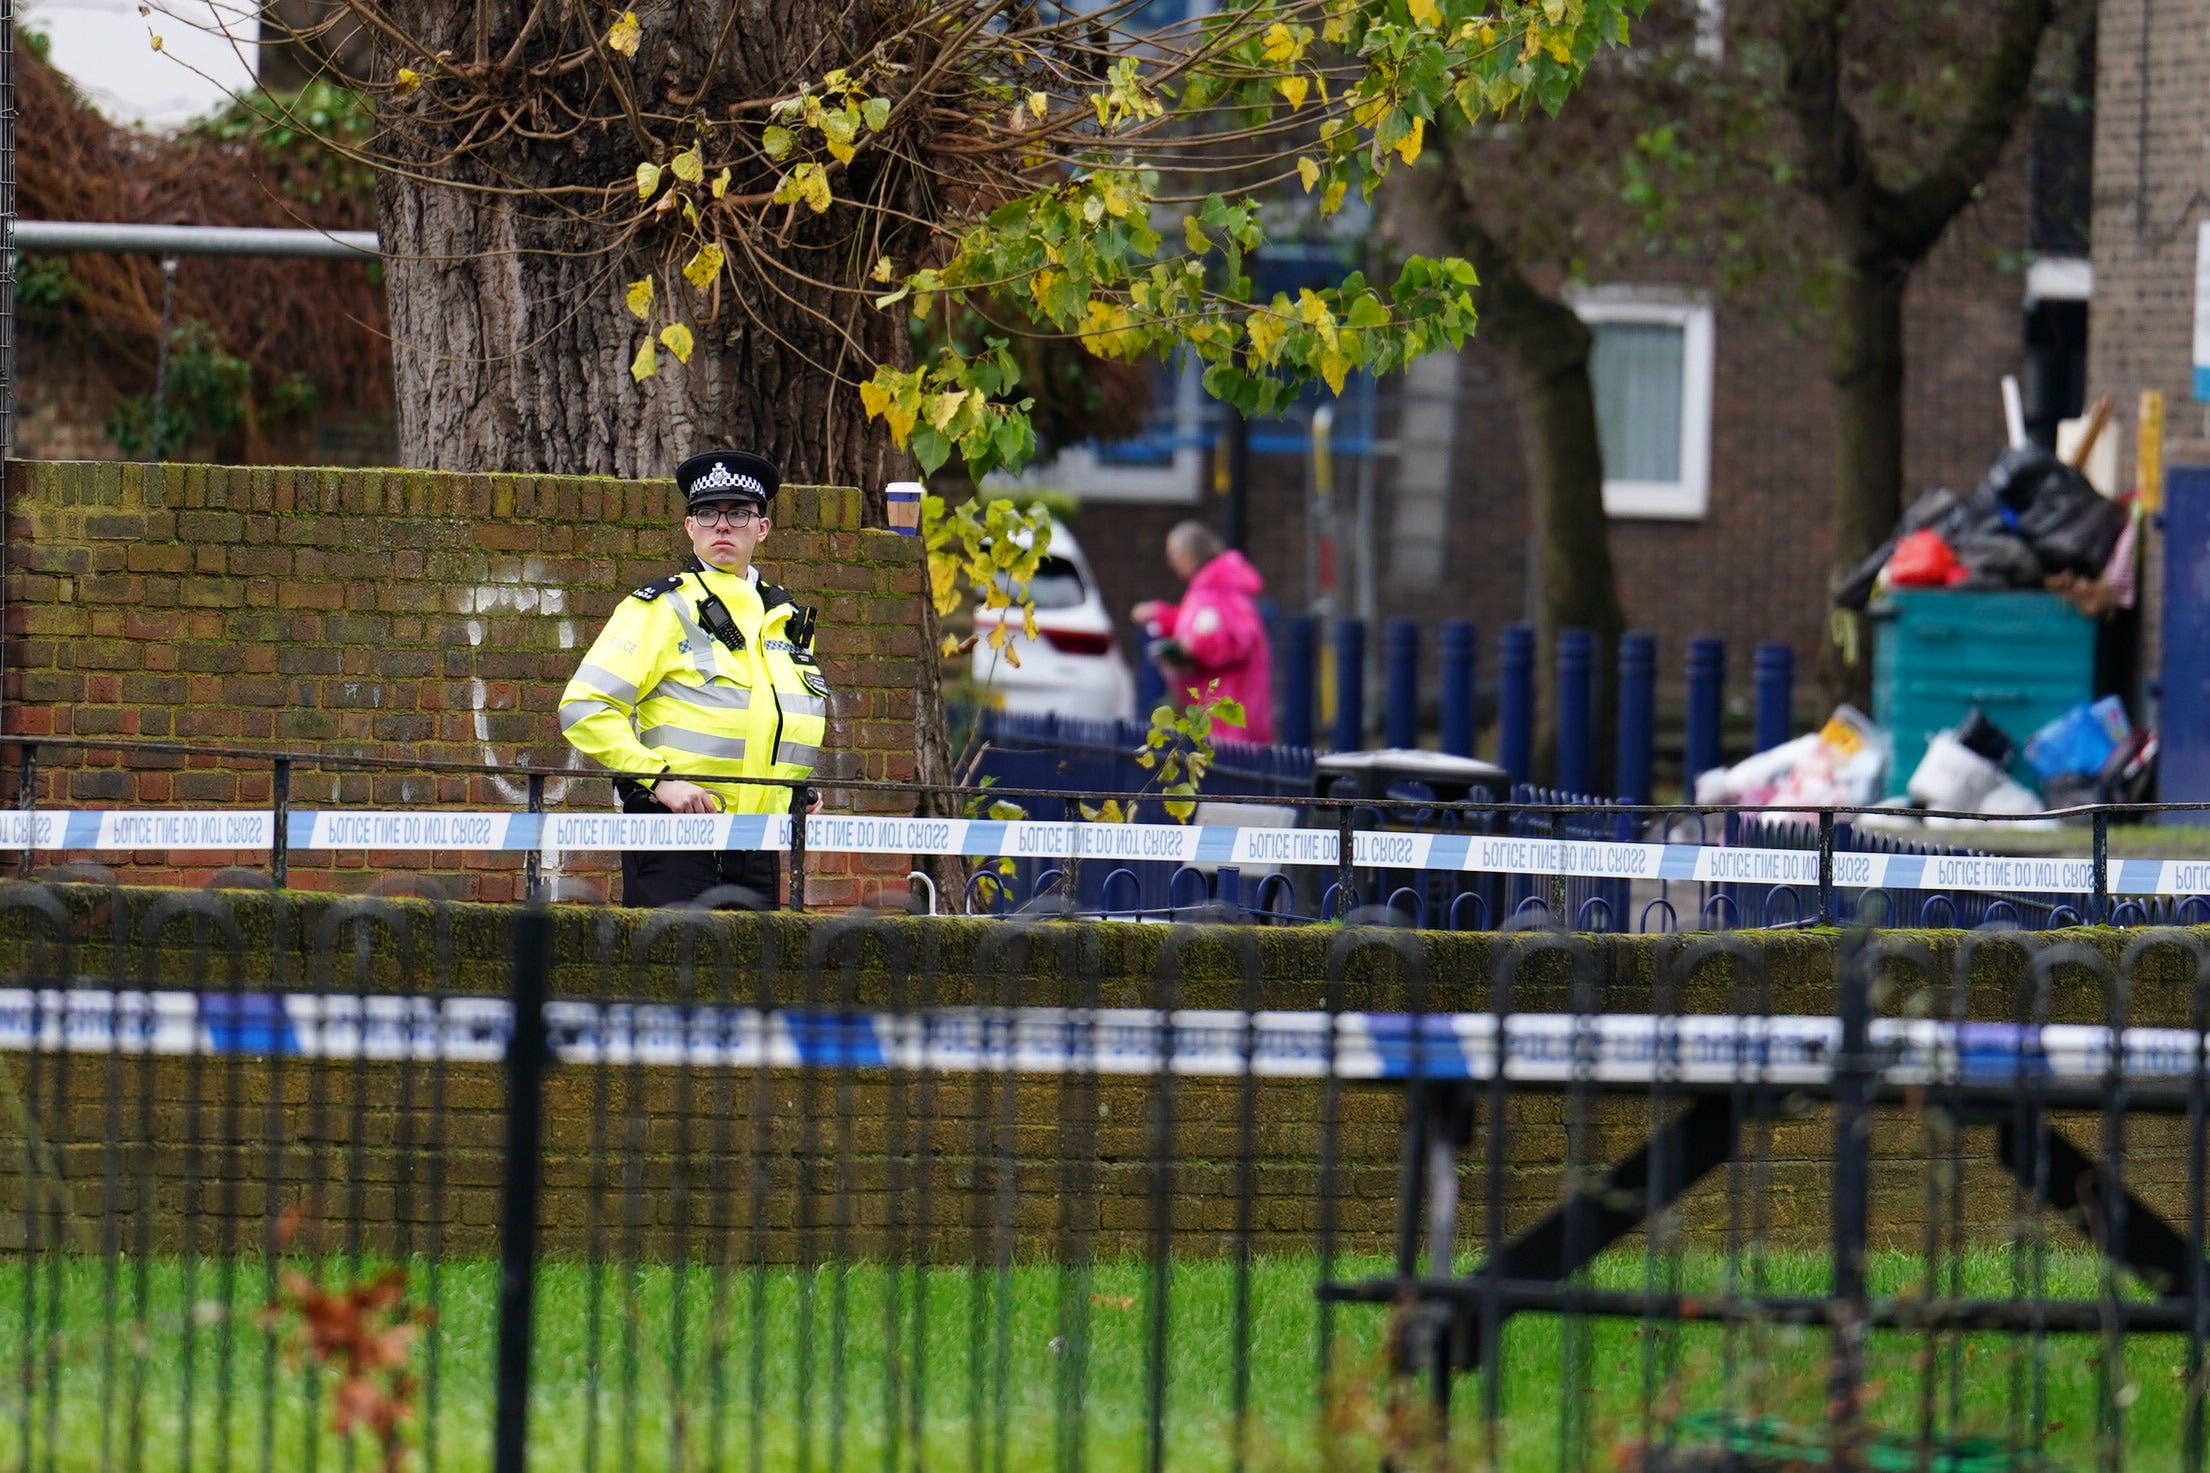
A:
(726, 516)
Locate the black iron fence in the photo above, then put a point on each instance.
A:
(385, 1183)
(1546, 858)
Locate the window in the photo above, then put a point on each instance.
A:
(1651, 371)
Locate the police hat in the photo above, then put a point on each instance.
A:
(727, 475)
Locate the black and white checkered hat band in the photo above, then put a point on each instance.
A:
(720, 478)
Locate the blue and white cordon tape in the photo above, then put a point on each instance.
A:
(1540, 1048)
(1258, 848)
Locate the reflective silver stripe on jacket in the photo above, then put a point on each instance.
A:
(798, 753)
(713, 697)
(605, 681)
(803, 703)
(677, 739)
(573, 711)
(702, 643)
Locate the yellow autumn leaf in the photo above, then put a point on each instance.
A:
(1309, 172)
(156, 42)
(1425, 14)
(1408, 147)
(813, 187)
(689, 165)
(874, 398)
(648, 179)
(640, 298)
(1038, 103)
(808, 182)
(1040, 285)
(899, 414)
(1292, 87)
(1281, 43)
(1331, 198)
(646, 363)
(721, 184)
(702, 267)
(678, 340)
(1193, 234)
(624, 34)
(1315, 314)
(945, 407)
(1334, 363)
(1267, 332)
(1116, 201)
(408, 79)
(884, 270)
(1560, 47)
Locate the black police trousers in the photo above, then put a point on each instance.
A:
(652, 877)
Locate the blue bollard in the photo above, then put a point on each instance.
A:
(1401, 654)
(1576, 688)
(1350, 685)
(1776, 689)
(1707, 678)
(1459, 647)
(1515, 751)
(1300, 644)
(1637, 715)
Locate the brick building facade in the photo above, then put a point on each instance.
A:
(2152, 196)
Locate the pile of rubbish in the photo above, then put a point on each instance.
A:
(2091, 754)
(2034, 522)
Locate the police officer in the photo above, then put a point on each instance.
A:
(706, 673)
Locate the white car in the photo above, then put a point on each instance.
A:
(1074, 667)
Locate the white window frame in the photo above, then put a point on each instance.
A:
(1689, 497)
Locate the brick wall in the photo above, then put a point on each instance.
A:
(401, 1147)
(394, 614)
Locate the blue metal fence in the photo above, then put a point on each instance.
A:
(1089, 756)
(1336, 710)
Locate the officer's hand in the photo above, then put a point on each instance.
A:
(678, 796)
(1146, 611)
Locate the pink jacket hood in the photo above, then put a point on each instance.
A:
(1230, 572)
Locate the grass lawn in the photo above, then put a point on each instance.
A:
(999, 1381)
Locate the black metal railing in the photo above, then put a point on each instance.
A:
(310, 1183)
(1836, 843)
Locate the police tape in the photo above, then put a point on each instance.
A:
(1199, 844)
(1538, 1048)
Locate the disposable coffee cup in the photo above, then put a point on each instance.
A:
(904, 499)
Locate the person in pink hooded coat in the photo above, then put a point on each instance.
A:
(1214, 633)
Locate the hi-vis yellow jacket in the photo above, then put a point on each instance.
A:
(659, 692)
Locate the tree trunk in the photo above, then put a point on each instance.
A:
(1865, 364)
(511, 352)
(512, 339)
(1549, 348)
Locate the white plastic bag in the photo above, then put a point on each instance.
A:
(1953, 776)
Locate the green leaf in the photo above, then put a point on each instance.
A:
(776, 140)
(875, 112)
